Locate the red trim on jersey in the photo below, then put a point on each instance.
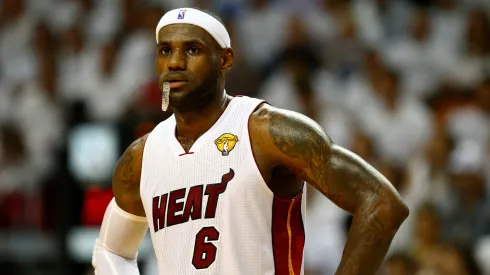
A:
(175, 130)
(250, 139)
(183, 149)
(190, 153)
(288, 235)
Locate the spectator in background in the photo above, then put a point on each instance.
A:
(363, 146)
(454, 260)
(401, 264)
(470, 121)
(43, 131)
(244, 79)
(469, 217)
(473, 63)
(483, 4)
(14, 164)
(483, 96)
(427, 180)
(137, 54)
(370, 17)
(296, 61)
(175, 4)
(130, 15)
(448, 22)
(333, 117)
(73, 65)
(380, 20)
(86, 5)
(482, 254)
(263, 23)
(103, 20)
(428, 172)
(306, 97)
(319, 20)
(344, 52)
(15, 177)
(300, 84)
(362, 88)
(398, 124)
(279, 89)
(417, 57)
(109, 91)
(43, 39)
(393, 173)
(17, 61)
(427, 236)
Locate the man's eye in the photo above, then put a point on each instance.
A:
(166, 51)
(193, 50)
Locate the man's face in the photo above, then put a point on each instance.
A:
(108, 57)
(397, 267)
(427, 226)
(420, 25)
(189, 59)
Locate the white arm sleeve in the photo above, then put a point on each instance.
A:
(116, 248)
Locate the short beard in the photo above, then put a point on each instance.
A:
(200, 97)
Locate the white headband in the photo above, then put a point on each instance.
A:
(197, 18)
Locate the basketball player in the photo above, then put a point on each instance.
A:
(220, 183)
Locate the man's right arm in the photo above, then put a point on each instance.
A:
(124, 226)
(126, 178)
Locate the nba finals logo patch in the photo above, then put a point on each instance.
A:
(181, 14)
(226, 143)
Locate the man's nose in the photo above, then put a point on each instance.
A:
(177, 61)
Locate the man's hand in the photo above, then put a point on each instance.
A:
(297, 143)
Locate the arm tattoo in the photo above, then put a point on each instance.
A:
(126, 179)
(124, 173)
(126, 168)
(349, 182)
(299, 140)
(374, 230)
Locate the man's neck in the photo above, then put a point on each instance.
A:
(191, 125)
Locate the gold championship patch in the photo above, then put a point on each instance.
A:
(226, 143)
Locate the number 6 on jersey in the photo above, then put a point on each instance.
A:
(204, 250)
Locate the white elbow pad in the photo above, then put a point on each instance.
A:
(121, 235)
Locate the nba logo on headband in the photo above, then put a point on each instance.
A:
(181, 14)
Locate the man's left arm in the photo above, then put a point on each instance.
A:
(299, 144)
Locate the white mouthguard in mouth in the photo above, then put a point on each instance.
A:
(165, 95)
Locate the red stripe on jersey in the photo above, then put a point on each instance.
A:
(190, 153)
(288, 235)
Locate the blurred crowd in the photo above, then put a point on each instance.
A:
(403, 83)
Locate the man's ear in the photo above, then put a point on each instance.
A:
(227, 56)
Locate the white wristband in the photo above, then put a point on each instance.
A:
(122, 232)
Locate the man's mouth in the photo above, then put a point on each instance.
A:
(177, 84)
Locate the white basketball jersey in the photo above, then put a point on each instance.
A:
(210, 211)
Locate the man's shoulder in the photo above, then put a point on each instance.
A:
(266, 118)
(134, 152)
(274, 130)
(138, 145)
